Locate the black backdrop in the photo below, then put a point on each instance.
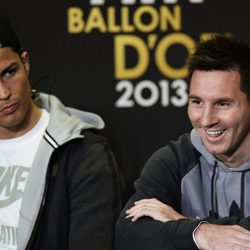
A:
(124, 60)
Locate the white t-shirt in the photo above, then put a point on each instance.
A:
(16, 157)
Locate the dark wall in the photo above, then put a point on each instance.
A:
(125, 62)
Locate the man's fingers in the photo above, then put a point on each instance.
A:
(135, 214)
(152, 202)
(143, 204)
(154, 209)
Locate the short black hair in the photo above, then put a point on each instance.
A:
(8, 37)
(17, 50)
(222, 52)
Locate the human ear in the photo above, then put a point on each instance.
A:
(25, 60)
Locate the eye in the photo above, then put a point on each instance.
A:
(9, 72)
(223, 105)
(195, 102)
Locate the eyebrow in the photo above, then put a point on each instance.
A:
(221, 99)
(5, 70)
(194, 97)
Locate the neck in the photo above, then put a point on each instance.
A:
(234, 163)
(238, 158)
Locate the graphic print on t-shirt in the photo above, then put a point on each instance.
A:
(16, 158)
(12, 183)
(12, 180)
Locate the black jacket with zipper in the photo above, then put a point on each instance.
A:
(82, 198)
(73, 195)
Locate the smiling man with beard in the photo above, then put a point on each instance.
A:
(193, 193)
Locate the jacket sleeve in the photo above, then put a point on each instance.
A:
(159, 179)
(94, 197)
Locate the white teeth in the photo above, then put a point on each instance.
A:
(214, 132)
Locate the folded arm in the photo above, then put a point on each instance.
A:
(207, 236)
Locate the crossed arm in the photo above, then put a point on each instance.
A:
(150, 224)
(208, 236)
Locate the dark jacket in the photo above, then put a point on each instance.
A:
(72, 196)
(186, 177)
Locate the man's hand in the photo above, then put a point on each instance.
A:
(218, 237)
(154, 209)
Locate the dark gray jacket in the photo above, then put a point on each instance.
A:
(185, 176)
(72, 196)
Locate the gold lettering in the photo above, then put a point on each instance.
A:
(75, 21)
(206, 36)
(126, 26)
(168, 18)
(126, 21)
(121, 42)
(95, 21)
(112, 26)
(154, 22)
(162, 48)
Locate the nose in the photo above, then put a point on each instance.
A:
(5, 92)
(208, 117)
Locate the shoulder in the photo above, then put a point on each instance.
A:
(91, 138)
(179, 155)
(175, 149)
(183, 149)
(91, 151)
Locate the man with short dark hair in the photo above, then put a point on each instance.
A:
(59, 184)
(193, 193)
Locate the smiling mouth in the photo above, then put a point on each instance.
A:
(215, 133)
